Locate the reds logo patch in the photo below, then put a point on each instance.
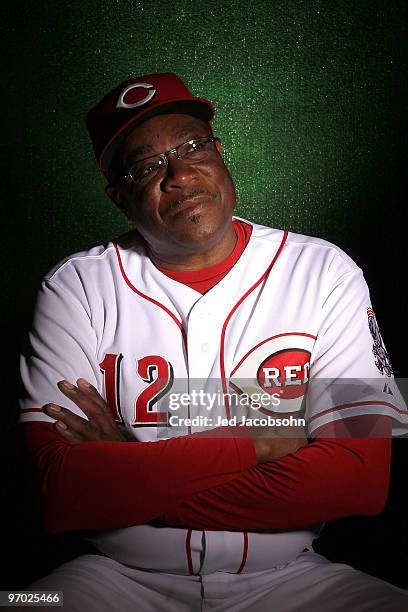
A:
(278, 366)
(285, 372)
(381, 359)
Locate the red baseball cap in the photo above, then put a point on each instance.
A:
(134, 101)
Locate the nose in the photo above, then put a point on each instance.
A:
(178, 174)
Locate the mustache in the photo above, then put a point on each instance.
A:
(188, 196)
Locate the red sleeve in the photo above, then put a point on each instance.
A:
(102, 485)
(326, 480)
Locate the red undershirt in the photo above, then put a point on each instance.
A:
(203, 280)
(220, 486)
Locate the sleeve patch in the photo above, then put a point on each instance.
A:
(382, 361)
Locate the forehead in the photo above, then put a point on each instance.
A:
(158, 133)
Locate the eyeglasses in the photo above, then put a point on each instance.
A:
(145, 170)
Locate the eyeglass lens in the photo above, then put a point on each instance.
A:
(191, 152)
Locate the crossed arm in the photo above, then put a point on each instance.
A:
(90, 476)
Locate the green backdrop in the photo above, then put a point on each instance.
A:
(309, 99)
(311, 104)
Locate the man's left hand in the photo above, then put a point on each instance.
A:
(75, 429)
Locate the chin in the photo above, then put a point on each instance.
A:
(200, 229)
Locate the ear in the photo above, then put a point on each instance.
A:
(118, 198)
(219, 146)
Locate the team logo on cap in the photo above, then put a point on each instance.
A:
(280, 367)
(382, 361)
(134, 98)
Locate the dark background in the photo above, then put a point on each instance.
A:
(311, 102)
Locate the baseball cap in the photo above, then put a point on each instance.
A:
(134, 101)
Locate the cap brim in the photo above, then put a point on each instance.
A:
(197, 107)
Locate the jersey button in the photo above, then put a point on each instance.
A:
(205, 346)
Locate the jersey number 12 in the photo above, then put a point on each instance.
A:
(152, 369)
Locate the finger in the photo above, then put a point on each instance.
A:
(92, 393)
(90, 402)
(98, 411)
(73, 437)
(85, 393)
(76, 424)
(85, 397)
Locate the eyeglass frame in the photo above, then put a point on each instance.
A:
(173, 151)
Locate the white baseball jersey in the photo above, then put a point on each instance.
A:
(292, 314)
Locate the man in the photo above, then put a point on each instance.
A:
(236, 319)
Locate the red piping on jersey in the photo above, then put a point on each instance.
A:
(357, 404)
(149, 299)
(244, 552)
(188, 552)
(267, 340)
(32, 410)
(237, 305)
